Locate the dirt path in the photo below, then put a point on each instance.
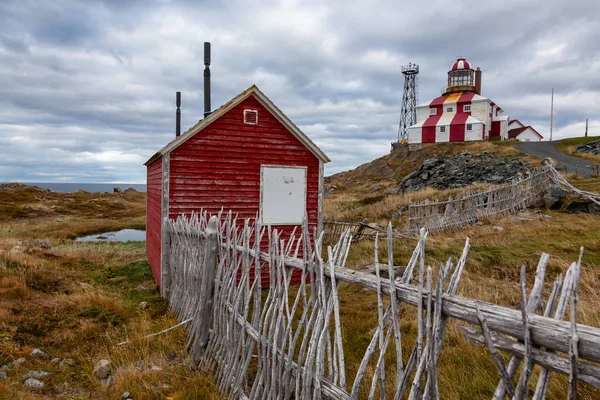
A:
(548, 149)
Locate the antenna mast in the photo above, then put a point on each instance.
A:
(551, 113)
(408, 114)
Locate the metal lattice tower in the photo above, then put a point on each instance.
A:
(408, 115)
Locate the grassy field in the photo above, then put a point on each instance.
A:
(78, 300)
(567, 146)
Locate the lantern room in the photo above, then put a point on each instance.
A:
(462, 78)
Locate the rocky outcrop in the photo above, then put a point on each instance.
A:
(558, 199)
(464, 169)
(589, 147)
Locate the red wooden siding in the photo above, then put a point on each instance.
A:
(153, 216)
(219, 168)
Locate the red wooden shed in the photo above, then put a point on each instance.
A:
(247, 157)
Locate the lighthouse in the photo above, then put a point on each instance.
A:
(461, 113)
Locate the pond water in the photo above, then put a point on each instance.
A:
(124, 235)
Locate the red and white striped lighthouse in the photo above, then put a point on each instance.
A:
(460, 114)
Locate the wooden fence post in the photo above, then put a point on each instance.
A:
(165, 269)
(206, 301)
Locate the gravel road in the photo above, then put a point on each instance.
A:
(548, 149)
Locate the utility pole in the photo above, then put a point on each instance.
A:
(551, 113)
(586, 127)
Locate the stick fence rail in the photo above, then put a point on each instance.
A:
(289, 343)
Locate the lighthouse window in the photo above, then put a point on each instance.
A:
(442, 129)
(450, 109)
(469, 127)
(467, 108)
(432, 111)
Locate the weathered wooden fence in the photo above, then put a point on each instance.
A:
(333, 230)
(288, 343)
(469, 207)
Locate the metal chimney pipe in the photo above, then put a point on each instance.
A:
(478, 81)
(178, 115)
(207, 108)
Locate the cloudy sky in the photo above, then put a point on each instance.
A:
(87, 88)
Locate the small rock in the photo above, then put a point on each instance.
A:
(16, 250)
(143, 305)
(18, 362)
(125, 396)
(497, 228)
(548, 216)
(5, 367)
(36, 374)
(67, 362)
(3, 376)
(156, 368)
(102, 369)
(140, 364)
(37, 353)
(118, 190)
(55, 361)
(60, 220)
(33, 384)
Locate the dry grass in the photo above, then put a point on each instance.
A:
(77, 300)
(568, 146)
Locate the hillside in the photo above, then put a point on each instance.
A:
(385, 172)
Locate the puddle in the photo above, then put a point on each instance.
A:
(124, 235)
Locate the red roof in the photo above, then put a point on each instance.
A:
(513, 133)
(461, 63)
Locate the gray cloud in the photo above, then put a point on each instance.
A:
(87, 88)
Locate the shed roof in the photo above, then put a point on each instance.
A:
(266, 102)
(513, 133)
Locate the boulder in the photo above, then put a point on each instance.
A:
(118, 190)
(3, 376)
(592, 147)
(554, 196)
(102, 369)
(33, 384)
(55, 361)
(497, 228)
